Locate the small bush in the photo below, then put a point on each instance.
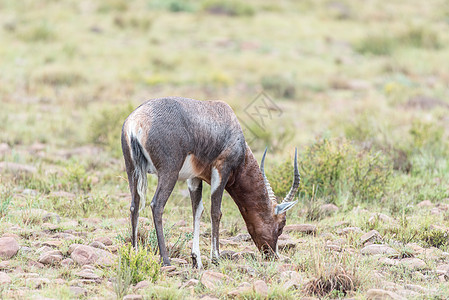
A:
(333, 275)
(142, 264)
(420, 37)
(122, 279)
(434, 238)
(58, 76)
(279, 85)
(105, 127)
(376, 45)
(228, 8)
(43, 32)
(6, 196)
(334, 167)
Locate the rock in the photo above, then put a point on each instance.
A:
(329, 209)
(415, 288)
(227, 254)
(243, 288)
(16, 168)
(261, 288)
(301, 228)
(168, 269)
(8, 247)
(49, 217)
(133, 297)
(97, 244)
(378, 249)
(244, 254)
(4, 278)
(53, 244)
(378, 294)
(142, 284)
(78, 291)
(44, 249)
(376, 217)
(189, 283)
(286, 245)
(425, 203)
(349, 230)
(371, 236)
(435, 211)
(413, 263)
(246, 270)
(83, 255)
(4, 265)
(212, 279)
(241, 237)
(292, 280)
(51, 257)
(35, 264)
(443, 269)
(105, 240)
(4, 149)
(88, 274)
(180, 261)
(37, 283)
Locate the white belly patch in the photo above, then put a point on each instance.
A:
(187, 171)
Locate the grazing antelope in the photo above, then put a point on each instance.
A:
(186, 139)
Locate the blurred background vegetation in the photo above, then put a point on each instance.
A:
(361, 85)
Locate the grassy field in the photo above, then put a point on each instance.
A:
(360, 87)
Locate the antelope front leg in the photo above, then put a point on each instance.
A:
(195, 188)
(217, 187)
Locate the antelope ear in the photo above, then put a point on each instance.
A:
(283, 207)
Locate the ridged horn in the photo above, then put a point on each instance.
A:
(265, 179)
(296, 180)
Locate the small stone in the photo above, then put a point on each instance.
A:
(415, 288)
(8, 247)
(83, 255)
(16, 168)
(179, 261)
(378, 294)
(35, 264)
(52, 244)
(4, 278)
(286, 245)
(212, 279)
(301, 228)
(241, 237)
(88, 274)
(292, 280)
(349, 230)
(4, 265)
(51, 257)
(105, 240)
(425, 203)
(370, 236)
(44, 249)
(189, 283)
(261, 288)
(435, 211)
(329, 209)
(142, 284)
(443, 269)
(227, 254)
(413, 263)
(378, 249)
(37, 283)
(78, 291)
(168, 269)
(244, 254)
(243, 288)
(67, 262)
(4, 149)
(133, 297)
(383, 218)
(97, 244)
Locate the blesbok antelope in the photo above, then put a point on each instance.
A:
(186, 139)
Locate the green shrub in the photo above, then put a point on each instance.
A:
(380, 44)
(279, 85)
(43, 32)
(58, 76)
(421, 37)
(105, 127)
(434, 238)
(229, 8)
(142, 264)
(333, 167)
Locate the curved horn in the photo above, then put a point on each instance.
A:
(265, 179)
(296, 180)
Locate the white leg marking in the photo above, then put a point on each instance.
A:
(196, 234)
(215, 180)
(193, 184)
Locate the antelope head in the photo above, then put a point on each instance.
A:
(267, 235)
